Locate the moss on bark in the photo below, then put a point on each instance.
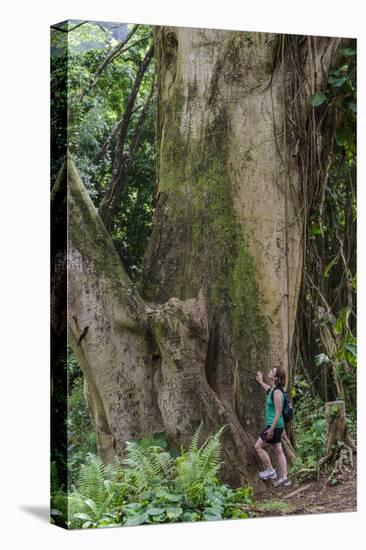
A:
(198, 239)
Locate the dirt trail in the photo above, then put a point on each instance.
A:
(309, 497)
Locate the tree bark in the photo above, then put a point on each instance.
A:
(222, 272)
(107, 329)
(229, 197)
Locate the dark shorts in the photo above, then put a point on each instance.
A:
(277, 434)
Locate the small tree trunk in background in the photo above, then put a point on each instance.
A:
(337, 435)
(331, 345)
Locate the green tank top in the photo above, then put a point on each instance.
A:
(271, 411)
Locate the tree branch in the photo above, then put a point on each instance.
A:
(109, 201)
(113, 133)
(112, 54)
(141, 123)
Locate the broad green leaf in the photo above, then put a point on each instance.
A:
(81, 515)
(320, 359)
(238, 514)
(169, 497)
(147, 441)
(92, 505)
(107, 521)
(211, 514)
(137, 519)
(341, 136)
(315, 229)
(214, 498)
(133, 507)
(318, 99)
(329, 266)
(347, 52)
(174, 512)
(87, 524)
(160, 440)
(108, 500)
(155, 511)
(341, 320)
(243, 494)
(187, 516)
(352, 348)
(337, 82)
(158, 481)
(108, 485)
(174, 452)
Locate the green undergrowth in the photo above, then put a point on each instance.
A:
(153, 484)
(310, 430)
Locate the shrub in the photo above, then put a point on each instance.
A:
(151, 486)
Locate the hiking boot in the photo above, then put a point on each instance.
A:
(282, 481)
(268, 474)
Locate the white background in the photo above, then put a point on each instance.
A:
(24, 397)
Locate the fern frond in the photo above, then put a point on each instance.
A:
(210, 452)
(114, 470)
(194, 443)
(147, 465)
(165, 463)
(75, 505)
(198, 468)
(90, 483)
(139, 458)
(140, 464)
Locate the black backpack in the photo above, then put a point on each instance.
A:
(287, 409)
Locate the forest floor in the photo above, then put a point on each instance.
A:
(309, 497)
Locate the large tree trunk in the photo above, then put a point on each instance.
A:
(222, 272)
(107, 330)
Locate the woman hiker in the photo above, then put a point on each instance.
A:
(274, 427)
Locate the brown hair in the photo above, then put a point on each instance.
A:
(280, 375)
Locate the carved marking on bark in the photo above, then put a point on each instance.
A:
(83, 335)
